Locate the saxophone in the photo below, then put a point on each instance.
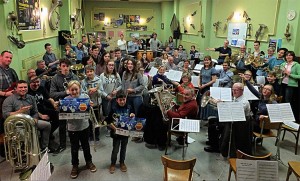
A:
(22, 147)
(55, 4)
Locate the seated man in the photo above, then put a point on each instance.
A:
(46, 105)
(187, 110)
(22, 103)
(50, 58)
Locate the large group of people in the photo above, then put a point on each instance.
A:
(118, 83)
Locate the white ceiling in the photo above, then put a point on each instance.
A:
(154, 1)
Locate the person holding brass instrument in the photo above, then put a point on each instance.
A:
(207, 77)
(79, 132)
(58, 90)
(8, 77)
(289, 83)
(186, 110)
(186, 82)
(22, 103)
(160, 78)
(276, 61)
(109, 86)
(119, 142)
(91, 86)
(240, 66)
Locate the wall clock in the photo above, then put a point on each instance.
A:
(291, 15)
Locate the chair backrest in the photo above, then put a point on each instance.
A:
(266, 124)
(178, 165)
(242, 155)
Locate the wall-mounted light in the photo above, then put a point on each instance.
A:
(237, 15)
(106, 21)
(44, 12)
(142, 21)
(194, 13)
(188, 20)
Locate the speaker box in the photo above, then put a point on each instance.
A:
(176, 34)
(61, 39)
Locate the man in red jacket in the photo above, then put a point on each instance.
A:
(187, 110)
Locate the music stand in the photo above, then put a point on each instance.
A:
(231, 112)
(184, 126)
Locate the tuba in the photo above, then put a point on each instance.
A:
(164, 101)
(22, 147)
(55, 4)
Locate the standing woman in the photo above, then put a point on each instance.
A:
(133, 85)
(207, 77)
(171, 43)
(109, 86)
(289, 84)
(100, 67)
(79, 50)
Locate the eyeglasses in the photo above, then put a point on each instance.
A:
(267, 89)
(111, 65)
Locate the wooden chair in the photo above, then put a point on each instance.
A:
(241, 155)
(292, 131)
(295, 168)
(180, 170)
(266, 124)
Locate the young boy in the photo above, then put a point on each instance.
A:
(120, 109)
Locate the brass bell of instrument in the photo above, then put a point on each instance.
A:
(77, 67)
(249, 60)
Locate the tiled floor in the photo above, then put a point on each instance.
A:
(145, 164)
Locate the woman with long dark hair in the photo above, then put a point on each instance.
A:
(100, 67)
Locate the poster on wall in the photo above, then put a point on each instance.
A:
(29, 14)
(237, 33)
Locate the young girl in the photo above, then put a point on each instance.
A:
(79, 132)
(100, 67)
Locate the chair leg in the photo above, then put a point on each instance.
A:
(283, 134)
(229, 174)
(255, 145)
(297, 140)
(289, 172)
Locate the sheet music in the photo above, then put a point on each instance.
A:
(42, 171)
(219, 67)
(246, 170)
(198, 66)
(221, 93)
(153, 71)
(196, 71)
(189, 125)
(195, 80)
(280, 112)
(291, 124)
(267, 170)
(217, 83)
(248, 94)
(231, 111)
(261, 80)
(174, 75)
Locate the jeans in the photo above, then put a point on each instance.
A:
(45, 128)
(106, 106)
(83, 137)
(135, 102)
(123, 140)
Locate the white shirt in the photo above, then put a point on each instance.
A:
(246, 104)
(122, 44)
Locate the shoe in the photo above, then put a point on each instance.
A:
(91, 167)
(51, 150)
(150, 146)
(74, 172)
(59, 149)
(123, 167)
(161, 148)
(211, 150)
(135, 139)
(207, 143)
(112, 168)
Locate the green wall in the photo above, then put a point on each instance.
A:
(26, 58)
(219, 10)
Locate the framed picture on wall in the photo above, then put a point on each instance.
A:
(96, 17)
(28, 13)
(162, 26)
(101, 16)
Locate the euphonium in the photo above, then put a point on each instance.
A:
(207, 99)
(164, 100)
(22, 147)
